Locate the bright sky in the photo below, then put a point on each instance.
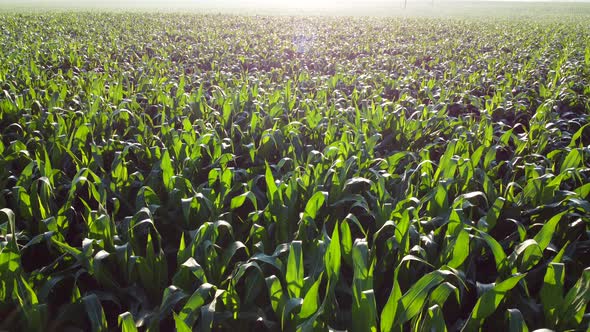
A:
(351, 5)
(212, 3)
(279, 4)
(305, 3)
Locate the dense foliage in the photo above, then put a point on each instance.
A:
(176, 171)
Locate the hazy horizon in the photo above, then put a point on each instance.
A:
(302, 4)
(430, 8)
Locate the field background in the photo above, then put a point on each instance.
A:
(366, 8)
(195, 169)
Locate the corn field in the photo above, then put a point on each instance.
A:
(164, 172)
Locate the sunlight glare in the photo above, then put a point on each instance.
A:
(307, 4)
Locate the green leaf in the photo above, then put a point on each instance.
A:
(332, 257)
(189, 274)
(294, 276)
(489, 302)
(271, 186)
(95, 313)
(573, 160)
(583, 190)
(126, 322)
(460, 249)
(571, 311)
(34, 312)
(363, 271)
(364, 308)
(580, 131)
(441, 293)
(516, 321)
(357, 185)
(413, 300)
(434, 320)
(391, 306)
(238, 201)
(311, 300)
(366, 316)
(544, 236)
(315, 203)
(167, 170)
(494, 212)
(346, 242)
(180, 325)
(171, 297)
(525, 256)
(190, 311)
(311, 324)
(9, 263)
(497, 251)
(278, 299)
(11, 223)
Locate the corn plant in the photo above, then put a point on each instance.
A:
(205, 172)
